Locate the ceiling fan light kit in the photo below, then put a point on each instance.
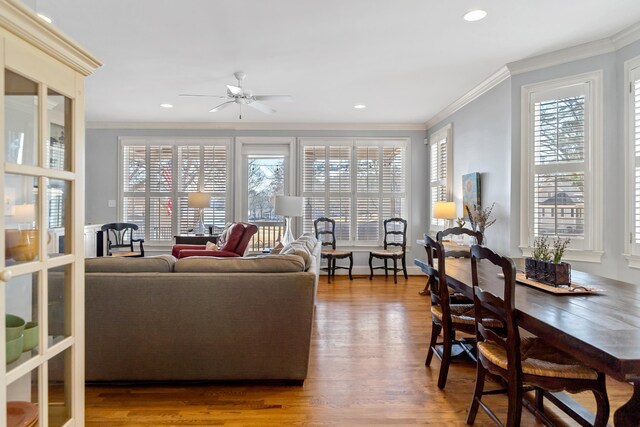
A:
(241, 96)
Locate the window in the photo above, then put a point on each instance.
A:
(358, 183)
(632, 73)
(155, 201)
(440, 150)
(562, 164)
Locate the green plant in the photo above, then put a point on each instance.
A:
(460, 222)
(541, 249)
(559, 246)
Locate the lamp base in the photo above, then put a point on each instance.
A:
(199, 230)
(288, 236)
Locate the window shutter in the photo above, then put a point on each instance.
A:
(134, 171)
(393, 170)
(133, 211)
(160, 178)
(368, 169)
(189, 168)
(314, 164)
(439, 173)
(339, 169)
(559, 145)
(314, 208)
(160, 211)
(215, 169)
(636, 169)
(368, 214)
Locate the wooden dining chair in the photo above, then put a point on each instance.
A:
(393, 228)
(520, 361)
(120, 240)
(325, 229)
(446, 317)
(453, 249)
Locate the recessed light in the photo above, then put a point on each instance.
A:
(45, 18)
(166, 105)
(359, 106)
(474, 15)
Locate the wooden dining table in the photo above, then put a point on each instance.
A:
(601, 329)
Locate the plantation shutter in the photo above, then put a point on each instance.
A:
(356, 183)
(560, 135)
(635, 172)
(439, 172)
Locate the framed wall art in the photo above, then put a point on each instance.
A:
(470, 190)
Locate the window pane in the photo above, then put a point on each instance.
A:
(368, 217)
(58, 199)
(134, 171)
(160, 210)
(21, 296)
(20, 218)
(20, 119)
(22, 400)
(559, 204)
(265, 182)
(368, 166)
(58, 146)
(559, 130)
(134, 211)
(59, 283)
(60, 389)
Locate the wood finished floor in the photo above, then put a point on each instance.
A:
(366, 368)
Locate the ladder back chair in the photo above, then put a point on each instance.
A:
(455, 250)
(526, 361)
(399, 252)
(325, 229)
(446, 317)
(119, 237)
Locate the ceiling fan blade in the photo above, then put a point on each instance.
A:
(221, 106)
(234, 90)
(277, 98)
(208, 96)
(261, 107)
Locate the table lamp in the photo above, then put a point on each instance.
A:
(444, 210)
(200, 201)
(288, 206)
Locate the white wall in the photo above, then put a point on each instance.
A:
(102, 167)
(482, 143)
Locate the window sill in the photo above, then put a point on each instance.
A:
(572, 255)
(633, 261)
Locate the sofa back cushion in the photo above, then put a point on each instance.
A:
(154, 264)
(257, 264)
(299, 249)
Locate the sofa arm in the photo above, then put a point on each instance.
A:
(177, 248)
(184, 253)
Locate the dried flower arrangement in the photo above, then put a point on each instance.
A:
(460, 222)
(479, 218)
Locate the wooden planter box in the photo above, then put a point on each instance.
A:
(548, 272)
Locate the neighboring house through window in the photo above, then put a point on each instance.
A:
(562, 164)
(358, 183)
(440, 149)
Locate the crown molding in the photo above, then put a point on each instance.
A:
(25, 24)
(626, 36)
(257, 126)
(562, 56)
(485, 86)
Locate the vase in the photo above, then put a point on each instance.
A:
(558, 274)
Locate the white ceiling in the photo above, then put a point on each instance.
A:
(405, 59)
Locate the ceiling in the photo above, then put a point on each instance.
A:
(405, 59)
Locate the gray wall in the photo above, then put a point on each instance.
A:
(102, 168)
(483, 142)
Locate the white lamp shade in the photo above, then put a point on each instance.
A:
(289, 206)
(444, 210)
(25, 213)
(199, 200)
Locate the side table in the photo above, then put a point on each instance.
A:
(192, 239)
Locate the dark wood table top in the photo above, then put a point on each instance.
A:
(602, 330)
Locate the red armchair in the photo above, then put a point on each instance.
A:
(232, 243)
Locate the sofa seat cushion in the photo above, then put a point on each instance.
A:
(257, 264)
(154, 264)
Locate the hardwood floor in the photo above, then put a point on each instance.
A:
(366, 368)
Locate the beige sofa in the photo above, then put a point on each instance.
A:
(201, 318)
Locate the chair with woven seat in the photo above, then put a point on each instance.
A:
(120, 240)
(446, 317)
(325, 229)
(393, 228)
(453, 249)
(527, 361)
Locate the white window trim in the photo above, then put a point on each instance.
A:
(376, 141)
(445, 132)
(631, 254)
(173, 141)
(593, 171)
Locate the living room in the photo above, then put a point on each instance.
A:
(377, 112)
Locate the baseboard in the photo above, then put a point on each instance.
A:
(364, 270)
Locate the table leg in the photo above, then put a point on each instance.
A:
(628, 414)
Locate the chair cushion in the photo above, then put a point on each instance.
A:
(539, 359)
(388, 253)
(465, 314)
(336, 253)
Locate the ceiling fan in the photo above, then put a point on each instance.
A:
(242, 96)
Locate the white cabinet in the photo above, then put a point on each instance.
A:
(41, 229)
